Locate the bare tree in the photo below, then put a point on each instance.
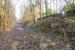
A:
(46, 6)
(33, 10)
(39, 4)
(31, 4)
(40, 9)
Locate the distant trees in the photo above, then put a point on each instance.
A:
(6, 15)
(29, 12)
(46, 6)
(33, 11)
(70, 6)
(48, 13)
(40, 8)
(36, 9)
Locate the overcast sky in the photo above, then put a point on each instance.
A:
(21, 3)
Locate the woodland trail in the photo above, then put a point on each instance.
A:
(18, 34)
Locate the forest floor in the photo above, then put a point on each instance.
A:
(39, 36)
(25, 39)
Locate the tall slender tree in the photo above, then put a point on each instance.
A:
(39, 4)
(31, 4)
(46, 6)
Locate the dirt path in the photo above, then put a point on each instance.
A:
(22, 38)
(17, 35)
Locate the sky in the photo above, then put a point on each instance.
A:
(19, 4)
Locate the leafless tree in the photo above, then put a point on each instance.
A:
(46, 6)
